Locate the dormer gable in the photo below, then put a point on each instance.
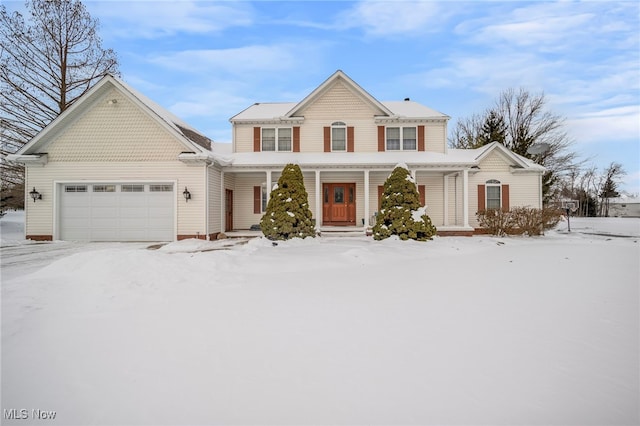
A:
(340, 81)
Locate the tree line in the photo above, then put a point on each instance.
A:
(522, 121)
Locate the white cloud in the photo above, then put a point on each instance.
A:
(152, 19)
(238, 60)
(390, 18)
(620, 124)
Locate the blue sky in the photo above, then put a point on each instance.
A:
(206, 61)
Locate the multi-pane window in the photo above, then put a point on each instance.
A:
(401, 138)
(338, 136)
(75, 188)
(104, 188)
(493, 194)
(276, 139)
(132, 188)
(161, 188)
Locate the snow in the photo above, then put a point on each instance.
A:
(417, 214)
(460, 330)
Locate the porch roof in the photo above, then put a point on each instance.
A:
(453, 159)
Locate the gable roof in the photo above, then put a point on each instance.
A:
(192, 140)
(339, 75)
(274, 111)
(519, 160)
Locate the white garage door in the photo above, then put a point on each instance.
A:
(116, 212)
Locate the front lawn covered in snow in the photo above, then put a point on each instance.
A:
(458, 330)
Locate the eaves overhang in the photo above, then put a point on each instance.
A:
(29, 159)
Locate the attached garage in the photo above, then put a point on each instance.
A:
(131, 211)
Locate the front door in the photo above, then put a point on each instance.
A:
(228, 209)
(339, 204)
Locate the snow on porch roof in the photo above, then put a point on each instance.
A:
(276, 110)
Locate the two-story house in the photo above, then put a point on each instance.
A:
(116, 166)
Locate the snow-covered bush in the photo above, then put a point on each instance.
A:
(288, 214)
(400, 211)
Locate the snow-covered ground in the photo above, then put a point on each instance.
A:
(458, 330)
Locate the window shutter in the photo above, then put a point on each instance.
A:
(350, 142)
(256, 139)
(481, 198)
(327, 139)
(257, 199)
(296, 139)
(421, 138)
(380, 138)
(505, 198)
(422, 190)
(380, 193)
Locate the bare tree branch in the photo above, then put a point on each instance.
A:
(47, 61)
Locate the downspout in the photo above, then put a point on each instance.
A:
(206, 202)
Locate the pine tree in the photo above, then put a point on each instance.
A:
(400, 212)
(493, 129)
(288, 214)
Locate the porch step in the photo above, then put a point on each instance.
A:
(342, 232)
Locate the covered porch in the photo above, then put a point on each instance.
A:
(346, 199)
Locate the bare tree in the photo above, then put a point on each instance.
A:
(609, 186)
(47, 61)
(527, 122)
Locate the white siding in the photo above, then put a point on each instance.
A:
(119, 132)
(215, 199)
(435, 197)
(435, 137)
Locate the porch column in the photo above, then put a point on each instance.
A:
(269, 184)
(465, 197)
(366, 198)
(318, 214)
(223, 198)
(445, 199)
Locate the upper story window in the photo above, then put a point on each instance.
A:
(276, 139)
(338, 136)
(401, 138)
(494, 194)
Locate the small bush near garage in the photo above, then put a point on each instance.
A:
(519, 220)
(288, 214)
(400, 210)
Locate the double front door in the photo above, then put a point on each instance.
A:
(339, 204)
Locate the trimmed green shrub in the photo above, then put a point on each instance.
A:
(288, 214)
(400, 211)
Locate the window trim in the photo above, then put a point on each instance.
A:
(264, 197)
(339, 125)
(402, 139)
(277, 139)
(493, 183)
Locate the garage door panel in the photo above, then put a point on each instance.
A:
(99, 200)
(100, 211)
(105, 213)
(78, 212)
(104, 223)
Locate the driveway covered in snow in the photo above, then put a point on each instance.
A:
(458, 330)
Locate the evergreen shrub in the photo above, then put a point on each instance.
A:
(400, 211)
(288, 215)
